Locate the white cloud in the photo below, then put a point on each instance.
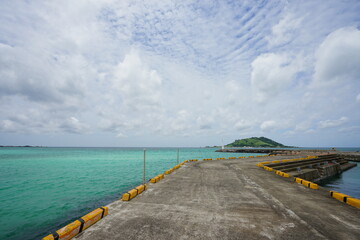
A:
(8, 126)
(303, 126)
(73, 125)
(273, 73)
(333, 123)
(168, 69)
(34, 122)
(244, 125)
(352, 130)
(204, 123)
(268, 125)
(33, 76)
(285, 30)
(358, 98)
(121, 135)
(338, 58)
(139, 86)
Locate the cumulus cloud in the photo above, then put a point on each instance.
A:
(285, 30)
(338, 58)
(333, 123)
(350, 130)
(8, 126)
(33, 76)
(163, 69)
(121, 135)
(73, 125)
(268, 125)
(139, 86)
(273, 73)
(204, 122)
(33, 122)
(243, 125)
(28, 121)
(303, 126)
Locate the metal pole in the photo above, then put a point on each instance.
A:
(177, 156)
(144, 172)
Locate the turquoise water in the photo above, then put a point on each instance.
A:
(43, 189)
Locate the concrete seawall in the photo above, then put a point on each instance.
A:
(228, 199)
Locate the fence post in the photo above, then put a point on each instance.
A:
(144, 172)
(177, 156)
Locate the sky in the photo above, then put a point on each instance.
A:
(179, 73)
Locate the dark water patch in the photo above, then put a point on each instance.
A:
(347, 182)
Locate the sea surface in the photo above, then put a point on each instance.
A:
(43, 189)
(347, 182)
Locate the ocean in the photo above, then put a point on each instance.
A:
(43, 189)
(347, 182)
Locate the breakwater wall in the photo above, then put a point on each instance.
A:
(355, 156)
(331, 170)
(316, 169)
(349, 156)
(273, 151)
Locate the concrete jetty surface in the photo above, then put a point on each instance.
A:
(228, 199)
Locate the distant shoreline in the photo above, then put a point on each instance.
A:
(25, 146)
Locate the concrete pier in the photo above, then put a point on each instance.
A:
(228, 199)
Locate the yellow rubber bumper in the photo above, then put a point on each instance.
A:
(140, 188)
(134, 192)
(339, 196)
(283, 174)
(353, 202)
(268, 169)
(307, 183)
(346, 199)
(76, 227)
(129, 195)
(154, 179)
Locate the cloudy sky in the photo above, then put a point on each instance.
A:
(179, 73)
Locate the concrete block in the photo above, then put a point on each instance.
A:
(92, 217)
(67, 232)
(129, 195)
(141, 188)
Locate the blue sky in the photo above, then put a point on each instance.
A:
(170, 73)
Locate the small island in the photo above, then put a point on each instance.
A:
(257, 142)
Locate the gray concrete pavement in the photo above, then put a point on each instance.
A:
(228, 199)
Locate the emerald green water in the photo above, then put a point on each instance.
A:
(43, 189)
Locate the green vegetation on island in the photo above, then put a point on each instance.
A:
(256, 142)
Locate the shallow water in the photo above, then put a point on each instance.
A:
(43, 189)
